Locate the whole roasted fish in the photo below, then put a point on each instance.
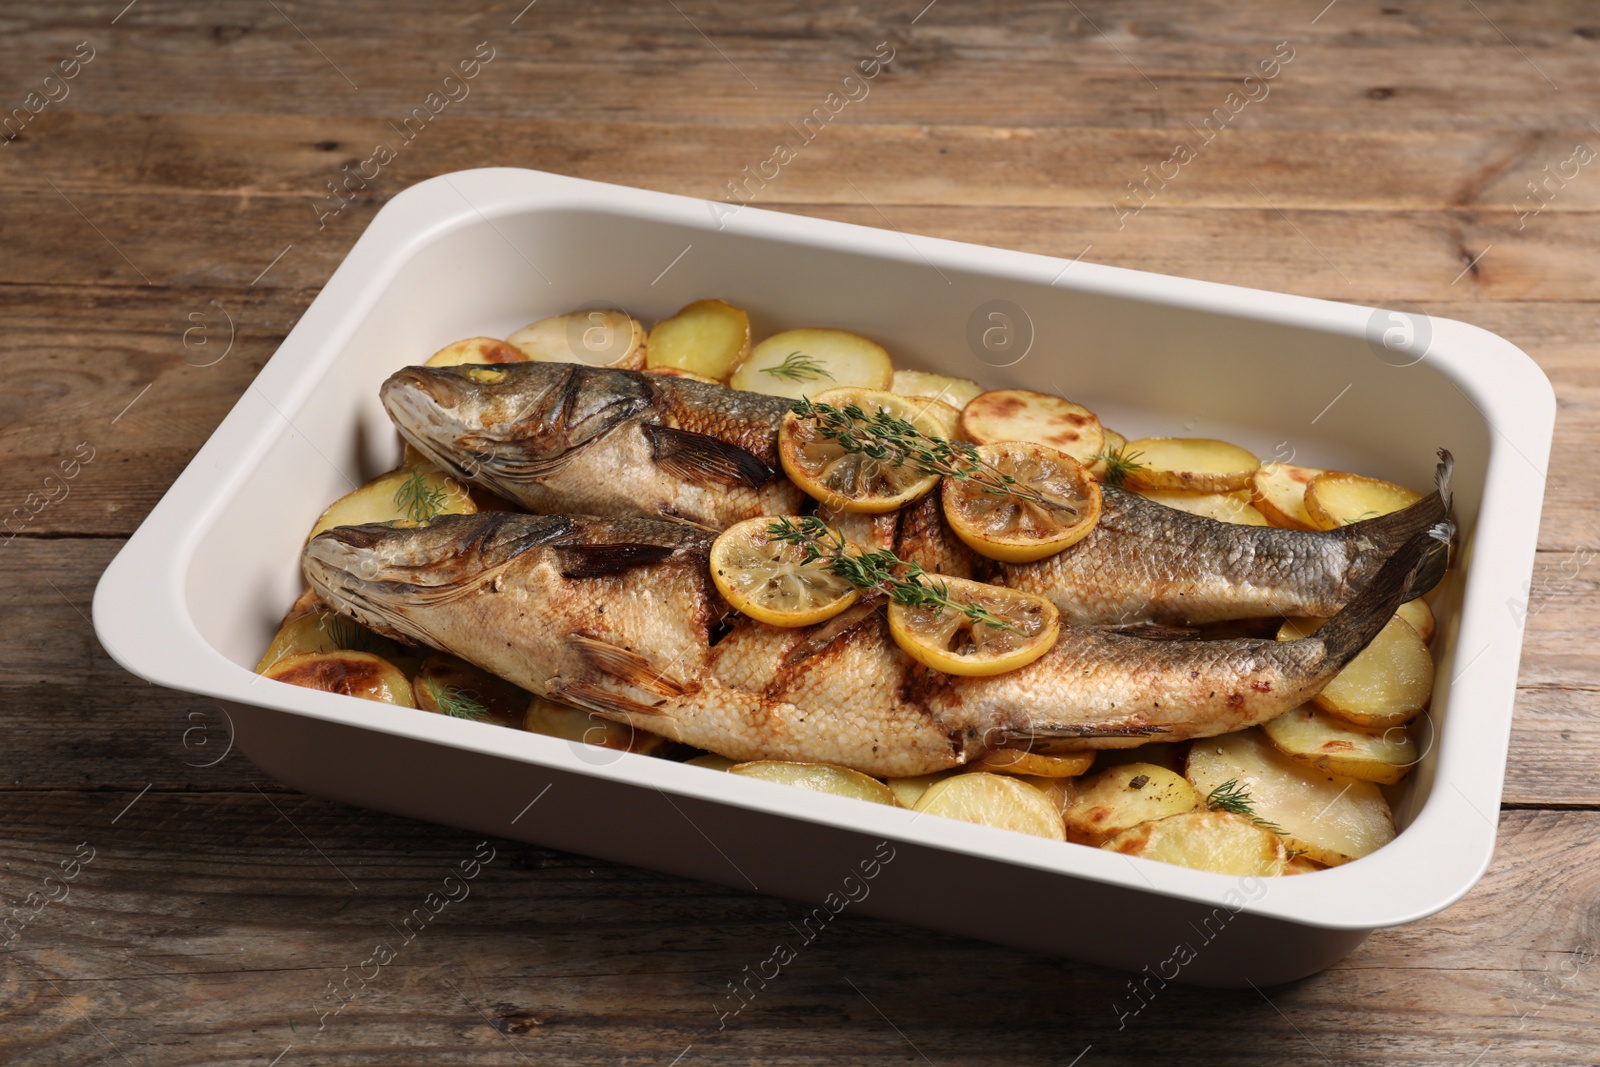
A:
(620, 616)
(564, 438)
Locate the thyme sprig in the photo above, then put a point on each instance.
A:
(877, 571)
(418, 501)
(1119, 463)
(1232, 797)
(456, 702)
(883, 437)
(799, 367)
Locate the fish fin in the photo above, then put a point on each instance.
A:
(599, 560)
(601, 701)
(1413, 569)
(698, 457)
(1389, 532)
(1154, 631)
(1049, 731)
(625, 665)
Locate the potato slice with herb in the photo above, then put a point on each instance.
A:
(477, 350)
(1279, 493)
(807, 362)
(1387, 683)
(1224, 507)
(1335, 499)
(419, 493)
(321, 630)
(595, 337)
(997, 800)
(1330, 818)
(1206, 841)
(1192, 464)
(1024, 415)
(1108, 465)
(956, 392)
(1034, 764)
(1420, 616)
(454, 687)
(708, 337)
(1333, 745)
(355, 674)
(819, 778)
(573, 724)
(1121, 797)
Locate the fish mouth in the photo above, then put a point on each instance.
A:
(424, 403)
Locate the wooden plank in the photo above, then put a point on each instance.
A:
(205, 930)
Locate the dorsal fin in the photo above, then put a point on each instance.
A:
(698, 457)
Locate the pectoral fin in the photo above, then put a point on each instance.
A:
(625, 666)
(596, 561)
(700, 458)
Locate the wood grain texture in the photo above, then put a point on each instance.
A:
(171, 202)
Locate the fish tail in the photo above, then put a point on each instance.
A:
(1389, 532)
(1413, 569)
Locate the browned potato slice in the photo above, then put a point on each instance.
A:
(1279, 491)
(997, 800)
(1335, 499)
(1330, 818)
(920, 383)
(708, 337)
(596, 337)
(907, 791)
(1333, 745)
(1034, 764)
(1387, 683)
(712, 762)
(477, 350)
(304, 604)
(1024, 415)
(572, 724)
(454, 687)
(1420, 616)
(417, 493)
(1124, 796)
(819, 778)
(1192, 464)
(322, 630)
(679, 372)
(1207, 841)
(799, 363)
(1224, 507)
(355, 674)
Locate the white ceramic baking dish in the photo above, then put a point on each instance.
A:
(193, 598)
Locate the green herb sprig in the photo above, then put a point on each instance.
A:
(799, 367)
(417, 500)
(349, 636)
(456, 702)
(1232, 797)
(883, 437)
(1119, 463)
(881, 571)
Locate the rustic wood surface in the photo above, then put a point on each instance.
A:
(183, 172)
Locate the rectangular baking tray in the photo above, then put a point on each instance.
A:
(195, 595)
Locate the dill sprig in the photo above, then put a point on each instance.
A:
(881, 570)
(799, 367)
(1119, 464)
(1232, 797)
(456, 702)
(883, 437)
(417, 500)
(349, 636)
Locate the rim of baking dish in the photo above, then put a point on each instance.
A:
(141, 617)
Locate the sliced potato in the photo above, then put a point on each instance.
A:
(1332, 819)
(679, 372)
(451, 686)
(417, 493)
(1193, 464)
(1169, 754)
(304, 604)
(1224, 507)
(1061, 791)
(907, 791)
(712, 762)
(572, 724)
(1279, 492)
(1024, 415)
(920, 383)
(1299, 864)
(799, 363)
(997, 800)
(1034, 764)
(708, 337)
(1125, 796)
(1333, 745)
(355, 674)
(477, 350)
(819, 778)
(1335, 499)
(596, 337)
(322, 630)
(1420, 616)
(1206, 841)
(1387, 683)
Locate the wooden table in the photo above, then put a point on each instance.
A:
(176, 181)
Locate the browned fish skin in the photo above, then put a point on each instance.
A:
(564, 438)
(618, 616)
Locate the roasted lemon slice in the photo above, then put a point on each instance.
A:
(854, 480)
(1052, 502)
(770, 581)
(1021, 627)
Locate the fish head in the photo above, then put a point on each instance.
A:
(388, 575)
(507, 423)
